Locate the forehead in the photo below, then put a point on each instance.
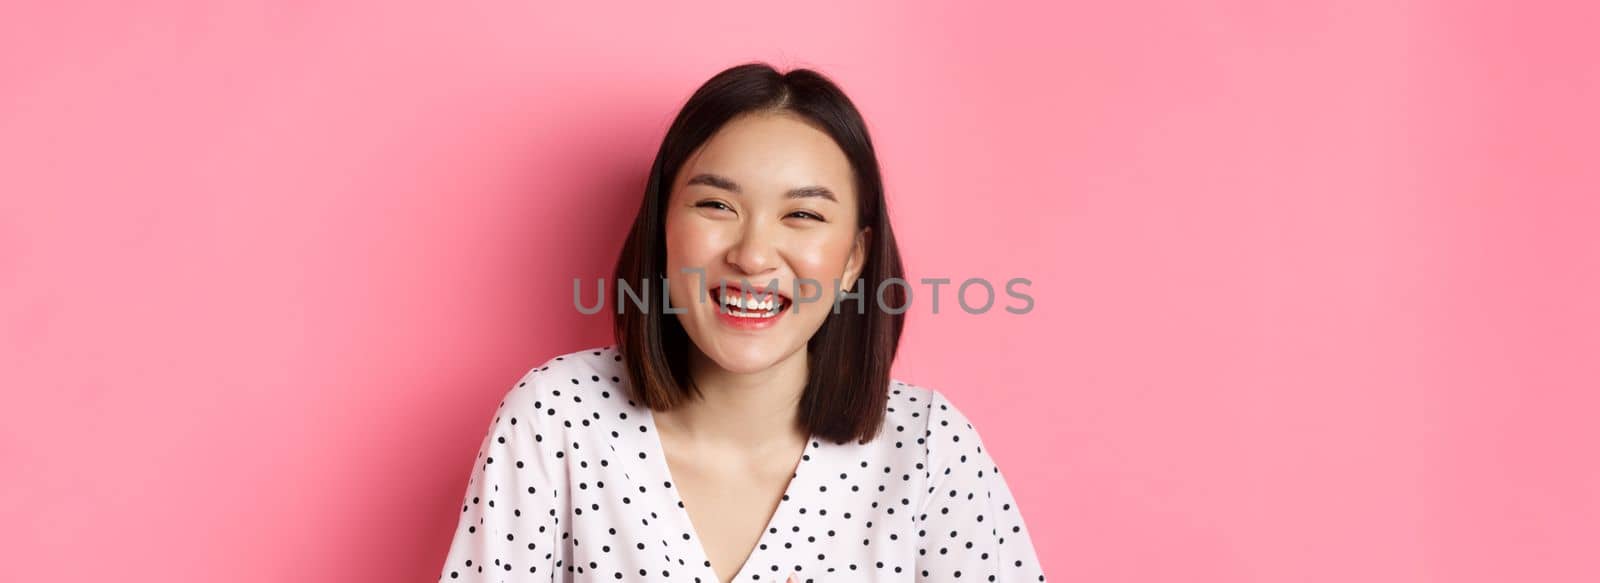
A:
(773, 153)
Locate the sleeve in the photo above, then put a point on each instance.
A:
(507, 526)
(969, 527)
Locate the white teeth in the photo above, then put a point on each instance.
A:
(748, 307)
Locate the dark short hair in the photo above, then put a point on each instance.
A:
(849, 356)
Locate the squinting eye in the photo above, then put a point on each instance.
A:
(708, 204)
(805, 214)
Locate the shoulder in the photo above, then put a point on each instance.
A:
(904, 433)
(908, 405)
(924, 407)
(567, 377)
(930, 413)
(945, 432)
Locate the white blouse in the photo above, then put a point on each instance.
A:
(571, 484)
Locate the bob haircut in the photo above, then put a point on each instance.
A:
(848, 359)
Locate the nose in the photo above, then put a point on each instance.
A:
(755, 252)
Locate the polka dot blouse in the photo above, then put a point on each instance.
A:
(570, 484)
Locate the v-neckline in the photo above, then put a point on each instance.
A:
(703, 558)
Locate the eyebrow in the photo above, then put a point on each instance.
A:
(723, 182)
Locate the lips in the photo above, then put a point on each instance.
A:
(749, 299)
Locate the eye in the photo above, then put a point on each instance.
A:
(712, 204)
(808, 214)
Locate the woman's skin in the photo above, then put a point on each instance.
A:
(732, 453)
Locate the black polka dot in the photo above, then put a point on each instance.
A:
(938, 507)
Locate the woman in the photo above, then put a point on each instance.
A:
(748, 430)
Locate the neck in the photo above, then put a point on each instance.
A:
(749, 410)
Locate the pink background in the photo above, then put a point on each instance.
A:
(1315, 284)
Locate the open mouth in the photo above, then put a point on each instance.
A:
(756, 305)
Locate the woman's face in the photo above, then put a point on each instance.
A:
(769, 199)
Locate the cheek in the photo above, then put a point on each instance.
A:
(688, 244)
(821, 259)
(691, 248)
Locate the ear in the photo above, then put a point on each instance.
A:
(858, 257)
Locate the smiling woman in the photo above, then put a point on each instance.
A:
(745, 435)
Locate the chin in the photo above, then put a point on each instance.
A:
(745, 356)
